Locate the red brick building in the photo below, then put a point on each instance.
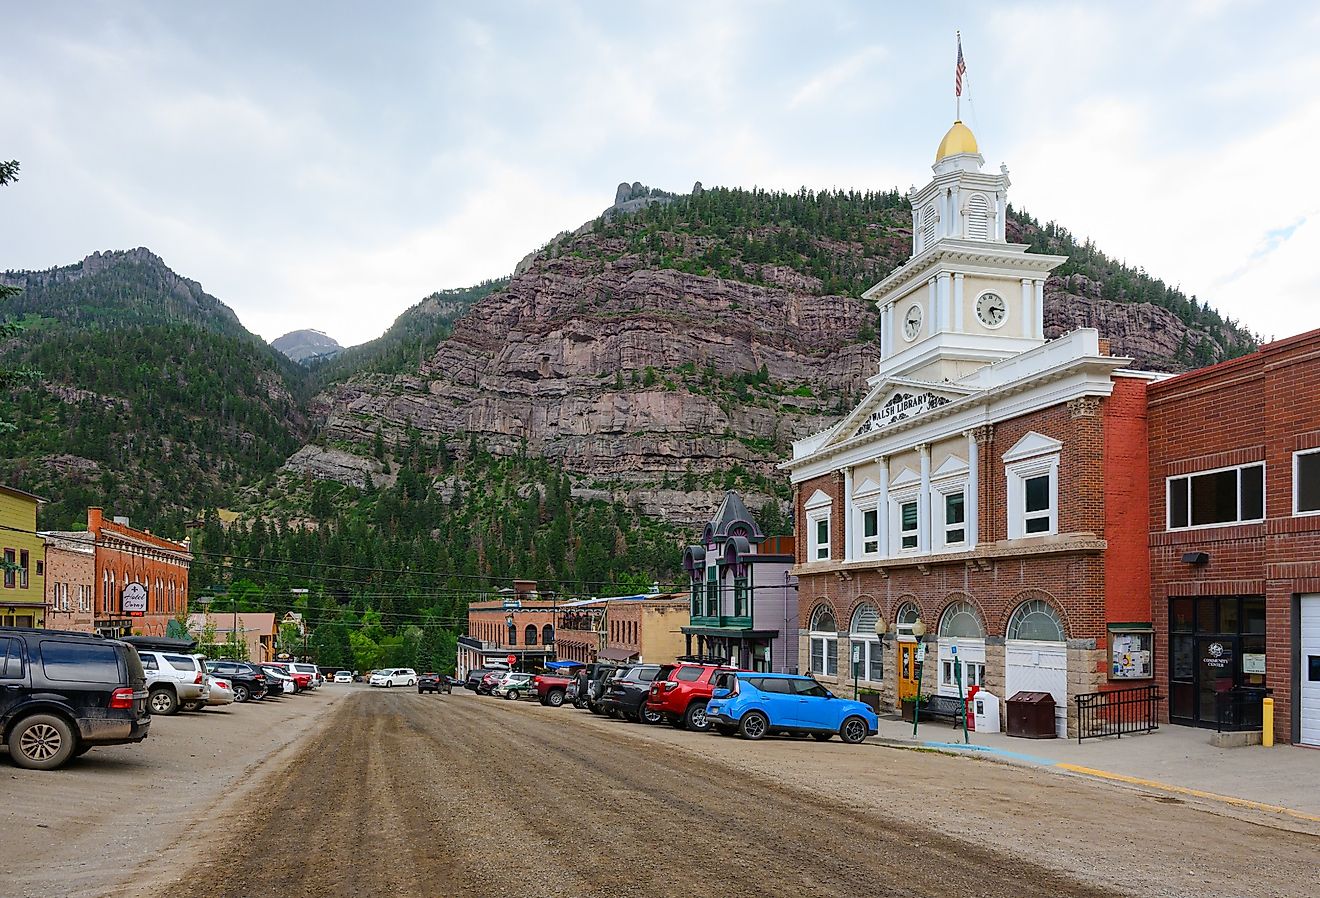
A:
(70, 581)
(141, 580)
(519, 623)
(990, 489)
(1235, 537)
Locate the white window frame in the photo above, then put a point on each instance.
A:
(896, 502)
(1296, 456)
(939, 494)
(973, 674)
(1019, 472)
(828, 643)
(818, 509)
(1264, 499)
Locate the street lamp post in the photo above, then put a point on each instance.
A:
(919, 631)
(881, 627)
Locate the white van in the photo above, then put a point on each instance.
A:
(398, 676)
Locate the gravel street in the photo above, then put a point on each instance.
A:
(396, 794)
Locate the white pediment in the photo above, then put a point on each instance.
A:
(819, 499)
(867, 487)
(906, 477)
(1032, 445)
(952, 465)
(892, 400)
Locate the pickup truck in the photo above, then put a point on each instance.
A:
(550, 689)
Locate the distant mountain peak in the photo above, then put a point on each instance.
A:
(303, 346)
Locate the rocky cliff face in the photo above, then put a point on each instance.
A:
(657, 386)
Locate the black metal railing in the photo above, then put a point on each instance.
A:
(1240, 709)
(1118, 712)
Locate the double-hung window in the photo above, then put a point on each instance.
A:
(1212, 498)
(1032, 470)
(907, 524)
(870, 531)
(817, 510)
(1306, 482)
(11, 568)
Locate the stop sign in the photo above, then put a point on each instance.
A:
(512, 659)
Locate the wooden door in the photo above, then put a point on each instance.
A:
(907, 670)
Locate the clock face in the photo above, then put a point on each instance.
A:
(912, 322)
(991, 309)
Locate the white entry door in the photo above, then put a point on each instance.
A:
(1039, 667)
(1310, 670)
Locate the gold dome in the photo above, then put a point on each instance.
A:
(958, 140)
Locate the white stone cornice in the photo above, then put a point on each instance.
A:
(969, 256)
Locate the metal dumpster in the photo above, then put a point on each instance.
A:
(1031, 715)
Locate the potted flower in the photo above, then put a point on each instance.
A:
(870, 698)
(910, 703)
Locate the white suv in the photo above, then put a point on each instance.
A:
(398, 676)
(309, 669)
(174, 682)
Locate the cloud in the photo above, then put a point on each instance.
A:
(823, 86)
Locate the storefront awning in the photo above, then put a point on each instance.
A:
(731, 632)
(617, 654)
(557, 665)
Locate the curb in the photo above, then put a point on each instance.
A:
(988, 753)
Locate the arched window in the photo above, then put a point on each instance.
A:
(961, 649)
(907, 616)
(977, 218)
(960, 621)
(1036, 621)
(547, 635)
(513, 635)
(824, 637)
(866, 642)
(928, 219)
(529, 635)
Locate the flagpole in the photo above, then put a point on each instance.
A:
(957, 99)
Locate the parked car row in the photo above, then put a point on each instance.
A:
(695, 695)
(63, 693)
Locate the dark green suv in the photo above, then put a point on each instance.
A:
(62, 693)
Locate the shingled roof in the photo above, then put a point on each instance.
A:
(732, 513)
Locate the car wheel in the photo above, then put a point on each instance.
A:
(389, 683)
(241, 693)
(754, 725)
(412, 682)
(822, 737)
(696, 719)
(512, 695)
(42, 742)
(555, 698)
(853, 730)
(725, 729)
(163, 702)
(420, 690)
(646, 715)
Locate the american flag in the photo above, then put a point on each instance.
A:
(959, 70)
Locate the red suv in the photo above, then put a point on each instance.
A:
(680, 693)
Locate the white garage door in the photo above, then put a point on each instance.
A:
(1039, 667)
(1310, 670)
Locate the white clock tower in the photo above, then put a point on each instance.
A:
(967, 297)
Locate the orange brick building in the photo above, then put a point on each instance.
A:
(141, 580)
(991, 487)
(519, 623)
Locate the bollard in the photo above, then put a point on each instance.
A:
(1267, 722)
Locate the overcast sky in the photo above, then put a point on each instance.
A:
(327, 164)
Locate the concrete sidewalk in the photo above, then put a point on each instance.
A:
(1283, 779)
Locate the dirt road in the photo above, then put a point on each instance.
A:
(407, 795)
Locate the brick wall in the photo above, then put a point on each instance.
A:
(66, 571)
(1262, 407)
(1127, 504)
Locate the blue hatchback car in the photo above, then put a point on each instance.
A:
(754, 705)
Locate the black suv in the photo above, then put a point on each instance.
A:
(626, 693)
(62, 693)
(247, 680)
(432, 682)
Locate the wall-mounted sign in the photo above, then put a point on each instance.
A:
(1253, 664)
(134, 599)
(900, 406)
(1131, 656)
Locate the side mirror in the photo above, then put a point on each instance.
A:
(721, 693)
(829, 694)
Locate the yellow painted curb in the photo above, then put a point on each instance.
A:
(1183, 790)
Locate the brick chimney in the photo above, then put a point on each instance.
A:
(94, 520)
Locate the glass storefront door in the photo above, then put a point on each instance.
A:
(1216, 644)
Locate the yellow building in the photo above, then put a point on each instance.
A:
(23, 594)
